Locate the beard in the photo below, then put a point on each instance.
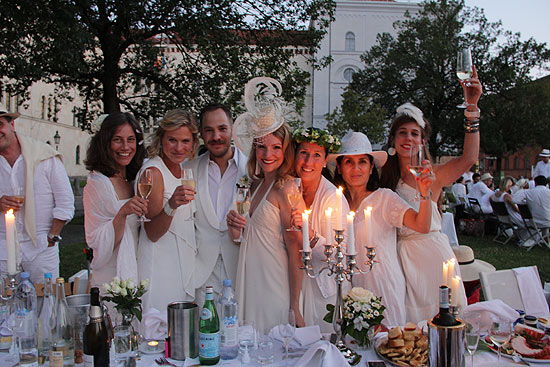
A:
(226, 147)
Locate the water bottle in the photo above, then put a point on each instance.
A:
(26, 321)
(229, 325)
(46, 319)
(209, 331)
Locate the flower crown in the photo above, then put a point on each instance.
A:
(319, 137)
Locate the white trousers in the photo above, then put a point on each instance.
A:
(215, 280)
(46, 262)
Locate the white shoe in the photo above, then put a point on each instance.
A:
(528, 243)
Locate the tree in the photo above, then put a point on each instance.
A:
(419, 67)
(114, 52)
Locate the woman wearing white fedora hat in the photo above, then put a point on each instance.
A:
(357, 166)
(422, 255)
(269, 280)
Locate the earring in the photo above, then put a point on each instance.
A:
(391, 151)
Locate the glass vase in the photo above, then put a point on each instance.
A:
(365, 342)
(127, 318)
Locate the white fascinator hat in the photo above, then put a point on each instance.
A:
(265, 111)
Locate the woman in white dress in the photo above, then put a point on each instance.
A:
(422, 255)
(269, 280)
(167, 245)
(357, 168)
(111, 208)
(312, 148)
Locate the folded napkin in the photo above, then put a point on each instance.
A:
(531, 291)
(322, 354)
(491, 310)
(154, 325)
(4, 330)
(303, 337)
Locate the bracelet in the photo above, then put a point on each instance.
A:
(473, 114)
(427, 197)
(168, 209)
(471, 126)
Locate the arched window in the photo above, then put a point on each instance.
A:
(348, 74)
(350, 41)
(77, 155)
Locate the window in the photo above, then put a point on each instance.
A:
(8, 102)
(50, 114)
(43, 108)
(350, 41)
(348, 74)
(506, 163)
(527, 162)
(77, 155)
(516, 163)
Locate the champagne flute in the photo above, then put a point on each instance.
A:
(471, 337)
(145, 186)
(500, 333)
(464, 68)
(415, 164)
(294, 196)
(187, 179)
(243, 204)
(287, 329)
(20, 194)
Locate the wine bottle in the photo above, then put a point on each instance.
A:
(95, 338)
(209, 331)
(444, 317)
(62, 348)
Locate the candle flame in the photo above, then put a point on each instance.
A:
(307, 211)
(457, 277)
(328, 211)
(10, 211)
(352, 213)
(368, 210)
(340, 188)
(452, 260)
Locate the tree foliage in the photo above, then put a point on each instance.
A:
(115, 52)
(419, 66)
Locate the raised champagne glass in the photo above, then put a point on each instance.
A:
(145, 185)
(415, 164)
(187, 179)
(243, 204)
(464, 68)
(294, 196)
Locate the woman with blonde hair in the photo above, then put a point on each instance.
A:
(167, 245)
(269, 280)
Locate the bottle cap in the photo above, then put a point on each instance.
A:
(209, 289)
(227, 282)
(48, 275)
(25, 275)
(60, 281)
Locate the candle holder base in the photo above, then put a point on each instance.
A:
(351, 356)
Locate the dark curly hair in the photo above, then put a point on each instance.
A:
(99, 156)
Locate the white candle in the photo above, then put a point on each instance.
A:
(328, 225)
(368, 224)
(351, 235)
(305, 230)
(10, 241)
(445, 273)
(455, 286)
(451, 272)
(339, 198)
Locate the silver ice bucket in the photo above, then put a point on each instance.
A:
(446, 345)
(183, 330)
(79, 308)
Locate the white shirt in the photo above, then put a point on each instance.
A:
(222, 187)
(482, 193)
(542, 169)
(459, 191)
(538, 200)
(53, 198)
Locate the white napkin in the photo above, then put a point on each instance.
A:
(154, 325)
(4, 330)
(303, 337)
(322, 354)
(531, 291)
(490, 310)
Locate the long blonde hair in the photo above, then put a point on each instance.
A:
(173, 120)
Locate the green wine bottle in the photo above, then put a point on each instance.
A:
(209, 331)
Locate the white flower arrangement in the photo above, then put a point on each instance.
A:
(125, 294)
(319, 137)
(244, 182)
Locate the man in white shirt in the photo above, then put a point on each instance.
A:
(217, 172)
(543, 166)
(48, 199)
(482, 192)
(538, 200)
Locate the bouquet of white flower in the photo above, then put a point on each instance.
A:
(125, 294)
(362, 311)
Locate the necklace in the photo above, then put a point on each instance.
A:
(120, 176)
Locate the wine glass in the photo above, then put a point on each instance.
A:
(294, 196)
(287, 329)
(243, 204)
(145, 185)
(471, 338)
(500, 333)
(464, 68)
(415, 164)
(187, 179)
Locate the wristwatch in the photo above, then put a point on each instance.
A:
(54, 239)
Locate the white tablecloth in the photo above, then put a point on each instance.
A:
(448, 227)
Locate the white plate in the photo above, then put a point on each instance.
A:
(377, 343)
(146, 349)
(526, 359)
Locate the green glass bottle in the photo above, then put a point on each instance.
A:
(209, 331)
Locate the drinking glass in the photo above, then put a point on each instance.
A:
(243, 204)
(287, 329)
(294, 196)
(415, 164)
(123, 343)
(20, 194)
(265, 354)
(464, 68)
(145, 186)
(247, 340)
(471, 337)
(187, 178)
(500, 333)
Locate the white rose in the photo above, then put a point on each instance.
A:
(116, 280)
(360, 295)
(122, 284)
(106, 287)
(144, 283)
(357, 307)
(115, 289)
(130, 284)
(123, 292)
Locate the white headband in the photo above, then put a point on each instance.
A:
(408, 109)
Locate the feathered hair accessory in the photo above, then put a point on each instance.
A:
(265, 112)
(408, 109)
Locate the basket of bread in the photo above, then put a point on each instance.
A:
(407, 346)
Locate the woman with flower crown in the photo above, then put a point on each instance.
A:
(312, 149)
(269, 280)
(111, 208)
(422, 255)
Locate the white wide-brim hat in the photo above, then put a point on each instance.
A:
(545, 153)
(10, 115)
(470, 267)
(355, 143)
(486, 176)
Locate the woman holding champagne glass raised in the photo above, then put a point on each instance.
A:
(167, 245)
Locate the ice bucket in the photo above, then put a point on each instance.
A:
(79, 308)
(183, 330)
(446, 345)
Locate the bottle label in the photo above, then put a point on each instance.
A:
(229, 331)
(56, 358)
(206, 314)
(209, 345)
(88, 360)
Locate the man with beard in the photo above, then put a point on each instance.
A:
(216, 173)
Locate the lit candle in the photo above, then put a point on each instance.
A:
(368, 224)
(451, 271)
(10, 241)
(351, 235)
(305, 230)
(445, 273)
(339, 198)
(455, 286)
(153, 343)
(328, 225)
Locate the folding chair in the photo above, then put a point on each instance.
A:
(475, 208)
(503, 222)
(503, 285)
(535, 233)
